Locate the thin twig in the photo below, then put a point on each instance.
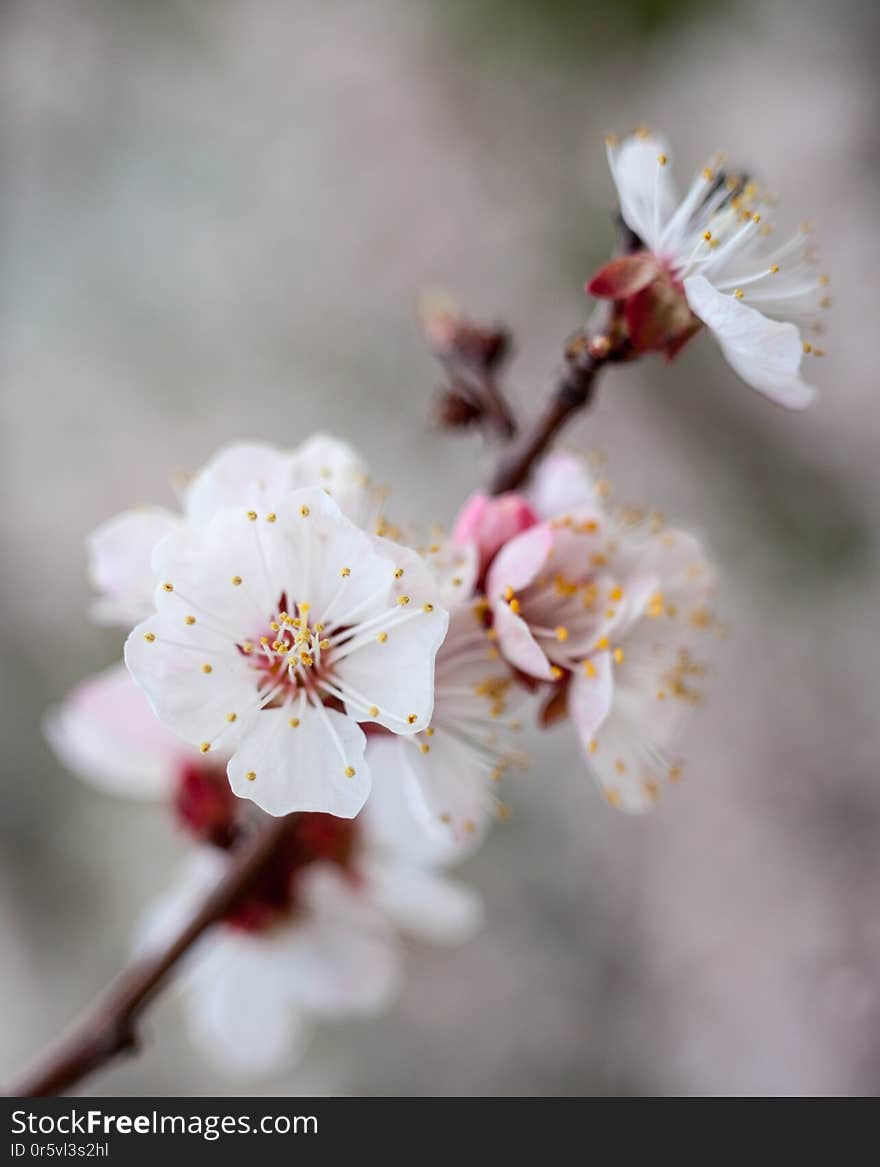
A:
(110, 1027)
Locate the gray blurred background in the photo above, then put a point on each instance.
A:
(218, 218)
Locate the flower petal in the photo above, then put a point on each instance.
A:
(239, 1010)
(342, 959)
(518, 563)
(285, 768)
(120, 568)
(396, 674)
(399, 819)
(765, 353)
(426, 906)
(106, 733)
(562, 482)
(193, 686)
(590, 697)
(518, 645)
(644, 185)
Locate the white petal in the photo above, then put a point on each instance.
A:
(420, 803)
(396, 675)
(192, 702)
(518, 645)
(765, 353)
(644, 187)
(242, 474)
(259, 476)
(240, 1011)
(561, 483)
(424, 905)
(106, 733)
(120, 568)
(590, 697)
(333, 465)
(303, 767)
(341, 959)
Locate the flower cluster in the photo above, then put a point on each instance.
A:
(293, 653)
(713, 258)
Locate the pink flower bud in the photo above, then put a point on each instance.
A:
(490, 522)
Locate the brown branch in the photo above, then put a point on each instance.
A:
(574, 390)
(110, 1027)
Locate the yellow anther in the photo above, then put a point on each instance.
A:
(509, 593)
(620, 765)
(264, 640)
(427, 607)
(149, 637)
(324, 644)
(593, 746)
(382, 637)
(167, 587)
(350, 771)
(662, 159)
(561, 632)
(304, 511)
(207, 668)
(275, 626)
(345, 572)
(611, 139)
(756, 218)
(613, 796)
(661, 694)
(247, 647)
(189, 619)
(618, 655)
(204, 747)
(708, 173)
(304, 606)
(656, 605)
(824, 281)
(616, 593)
(589, 669)
(403, 601)
(514, 606)
(707, 235)
(429, 732)
(294, 722)
(602, 644)
(398, 572)
(555, 672)
(251, 775)
(425, 748)
(457, 581)
(674, 773)
(739, 293)
(412, 718)
(236, 581)
(252, 515)
(230, 717)
(651, 789)
(374, 711)
(306, 659)
(774, 268)
(808, 348)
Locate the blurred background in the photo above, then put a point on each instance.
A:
(218, 218)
